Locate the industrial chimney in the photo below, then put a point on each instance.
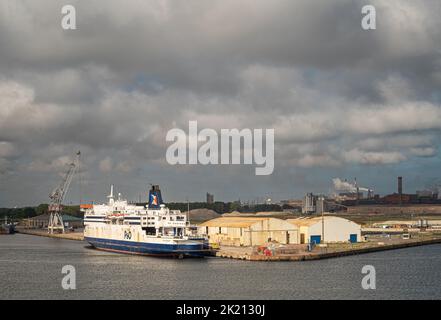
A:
(400, 189)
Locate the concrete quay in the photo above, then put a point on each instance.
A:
(78, 236)
(323, 252)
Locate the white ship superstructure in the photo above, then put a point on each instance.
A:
(153, 229)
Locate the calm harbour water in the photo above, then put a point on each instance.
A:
(30, 268)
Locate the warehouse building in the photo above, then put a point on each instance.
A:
(249, 231)
(42, 221)
(328, 228)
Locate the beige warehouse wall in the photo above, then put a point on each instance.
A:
(256, 234)
(228, 236)
(336, 230)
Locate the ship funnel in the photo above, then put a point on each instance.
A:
(155, 198)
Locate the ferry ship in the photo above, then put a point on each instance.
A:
(153, 229)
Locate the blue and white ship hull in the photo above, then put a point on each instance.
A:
(184, 249)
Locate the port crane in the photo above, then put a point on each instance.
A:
(57, 196)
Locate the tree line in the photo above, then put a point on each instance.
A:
(225, 207)
(29, 212)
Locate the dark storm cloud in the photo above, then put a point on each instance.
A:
(338, 96)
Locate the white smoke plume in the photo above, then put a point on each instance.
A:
(341, 185)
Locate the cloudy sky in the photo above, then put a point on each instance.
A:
(344, 102)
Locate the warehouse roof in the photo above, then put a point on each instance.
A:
(308, 221)
(305, 221)
(233, 222)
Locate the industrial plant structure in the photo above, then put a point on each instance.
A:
(309, 204)
(353, 195)
(210, 198)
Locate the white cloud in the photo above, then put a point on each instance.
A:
(7, 149)
(5, 166)
(423, 152)
(373, 158)
(124, 166)
(310, 160)
(23, 118)
(59, 164)
(106, 165)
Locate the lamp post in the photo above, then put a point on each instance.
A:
(188, 210)
(322, 199)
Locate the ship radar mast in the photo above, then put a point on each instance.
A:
(110, 196)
